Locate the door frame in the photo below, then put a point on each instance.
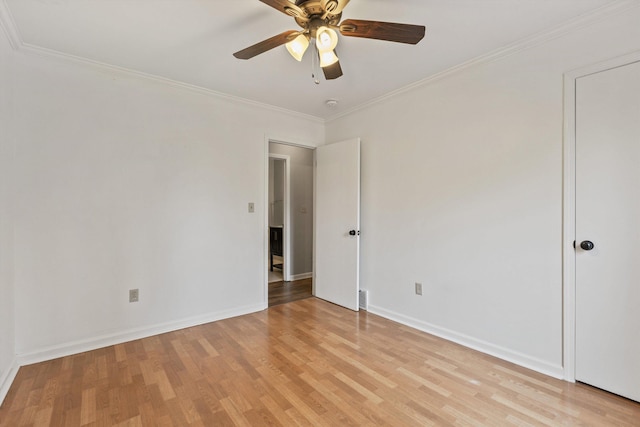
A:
(286, 216)
(569, 205)
(265, 246)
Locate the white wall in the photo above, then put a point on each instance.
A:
(126, 183)
(276, 189)
(7, 313)
(301, 193)
(462, 191)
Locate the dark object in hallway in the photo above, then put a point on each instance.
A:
(275, 245)
(282, 292)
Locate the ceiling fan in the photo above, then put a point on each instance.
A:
(319, 20)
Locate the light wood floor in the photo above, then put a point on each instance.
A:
(283, 292)
(303, 363)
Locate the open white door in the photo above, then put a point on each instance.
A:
(337, 223)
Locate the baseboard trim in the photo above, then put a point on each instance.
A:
(80, 346)
(7, 379)
(520, 359)
(301, 276)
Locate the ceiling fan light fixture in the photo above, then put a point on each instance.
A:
(298, 46)
(326, 39)
(321, 21)
(328, 58)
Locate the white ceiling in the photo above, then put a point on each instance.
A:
(192, 41)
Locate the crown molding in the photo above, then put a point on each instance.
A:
(9, 27)
(13, 35)
(582, 21)
(102, 66)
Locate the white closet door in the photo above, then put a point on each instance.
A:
(608, 216)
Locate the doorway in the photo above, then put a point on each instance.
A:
(601, 235)
(290, 222)
(279, 217)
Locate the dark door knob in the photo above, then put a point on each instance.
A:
(587, 245)
(352, 232)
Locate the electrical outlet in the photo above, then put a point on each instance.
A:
(418, 288)
(133, 295)
(252, 207)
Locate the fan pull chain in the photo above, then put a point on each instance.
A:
(315, 62)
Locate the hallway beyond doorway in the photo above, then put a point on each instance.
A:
(283, 292)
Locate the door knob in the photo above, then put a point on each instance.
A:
(587, 245)
(353, 232)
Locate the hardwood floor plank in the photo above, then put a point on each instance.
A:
(307, 363)
(327, 391)
(284, 292)
(43, 416)
(88, 406)
(276, 410)
(359, 388)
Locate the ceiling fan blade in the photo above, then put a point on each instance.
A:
(332, 71)
(401, 33)
(266, 45)
(287, 7)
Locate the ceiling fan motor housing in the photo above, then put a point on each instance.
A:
(317, 9)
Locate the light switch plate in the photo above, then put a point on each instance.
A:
(418, 288)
